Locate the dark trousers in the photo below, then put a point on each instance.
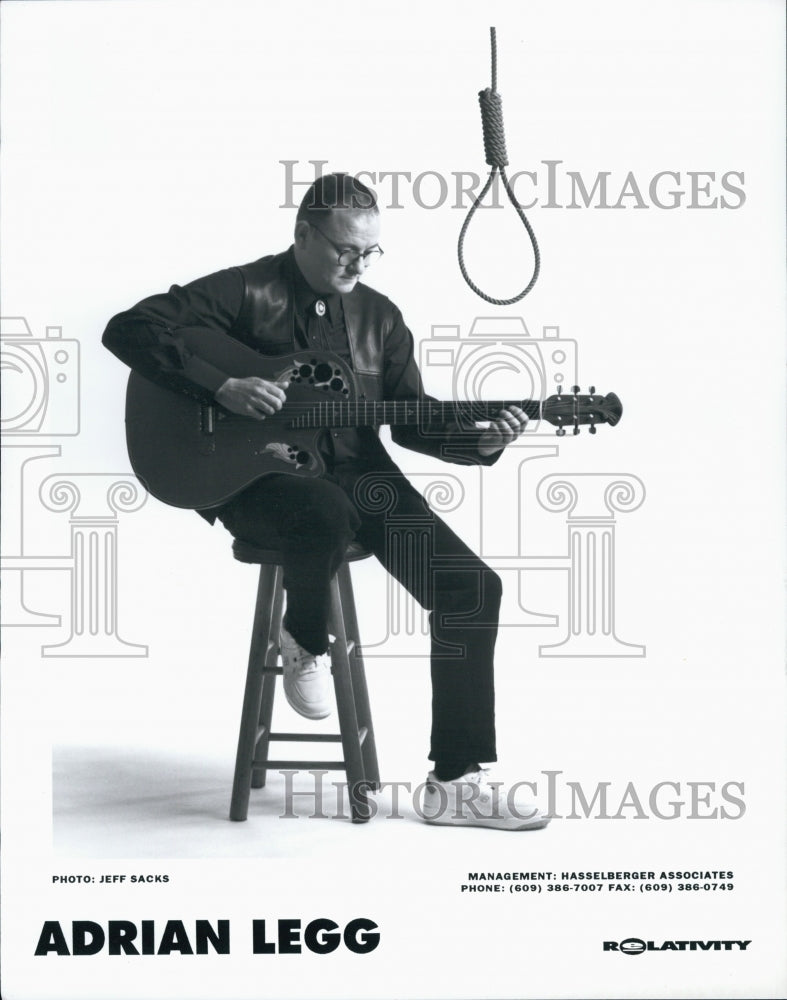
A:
(313, 521)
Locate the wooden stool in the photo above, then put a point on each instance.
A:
(349, 679)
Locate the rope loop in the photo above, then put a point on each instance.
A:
(497, 158)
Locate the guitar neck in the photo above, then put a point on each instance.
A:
(366, 413)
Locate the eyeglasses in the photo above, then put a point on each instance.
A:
(347, 257)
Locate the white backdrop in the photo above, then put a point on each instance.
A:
(147, 143)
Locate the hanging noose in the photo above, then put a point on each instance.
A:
(497, 158)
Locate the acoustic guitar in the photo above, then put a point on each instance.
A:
(190, 454)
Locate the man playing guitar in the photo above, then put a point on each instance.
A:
(310, 298)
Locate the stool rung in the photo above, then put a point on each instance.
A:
(328, 765)
(280, 671)
(308, 737)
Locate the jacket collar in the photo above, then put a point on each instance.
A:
(304, 296)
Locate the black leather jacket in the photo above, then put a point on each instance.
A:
(255, 304)
(267, 320)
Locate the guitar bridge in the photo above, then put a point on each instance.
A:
(207, 439)
(207, 418)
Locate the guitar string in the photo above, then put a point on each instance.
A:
(296, 411)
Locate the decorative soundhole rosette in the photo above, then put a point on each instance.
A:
(289, 453)
(318, 373)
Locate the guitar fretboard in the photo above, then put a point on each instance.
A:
(367, 412)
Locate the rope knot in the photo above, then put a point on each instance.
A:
(492, 123)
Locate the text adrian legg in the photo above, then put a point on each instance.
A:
(285, 936)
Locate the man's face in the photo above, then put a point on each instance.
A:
(316, 253)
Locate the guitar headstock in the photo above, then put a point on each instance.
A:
(572, 409)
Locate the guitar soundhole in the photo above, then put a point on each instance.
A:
(288, 453)
(321, 375)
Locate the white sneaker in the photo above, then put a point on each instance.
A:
(476, 800)
(307, 678)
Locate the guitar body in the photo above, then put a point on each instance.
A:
(188, 454)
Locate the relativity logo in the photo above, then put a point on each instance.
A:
(636, 946)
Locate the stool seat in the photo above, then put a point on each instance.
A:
(359, 754)
(246, 552)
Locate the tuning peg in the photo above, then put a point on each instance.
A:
(592, 390)
(560, 390)
(560, 432)
(592, 428)
(576, 429)
(575, 389)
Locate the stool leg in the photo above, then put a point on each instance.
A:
(250, 714)
(358, 673)
(259, 775)
(345, 704)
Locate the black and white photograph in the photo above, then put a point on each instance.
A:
(392, 500)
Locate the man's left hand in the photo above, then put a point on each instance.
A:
(505, 428)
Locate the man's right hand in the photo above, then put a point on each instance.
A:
(252, 397)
